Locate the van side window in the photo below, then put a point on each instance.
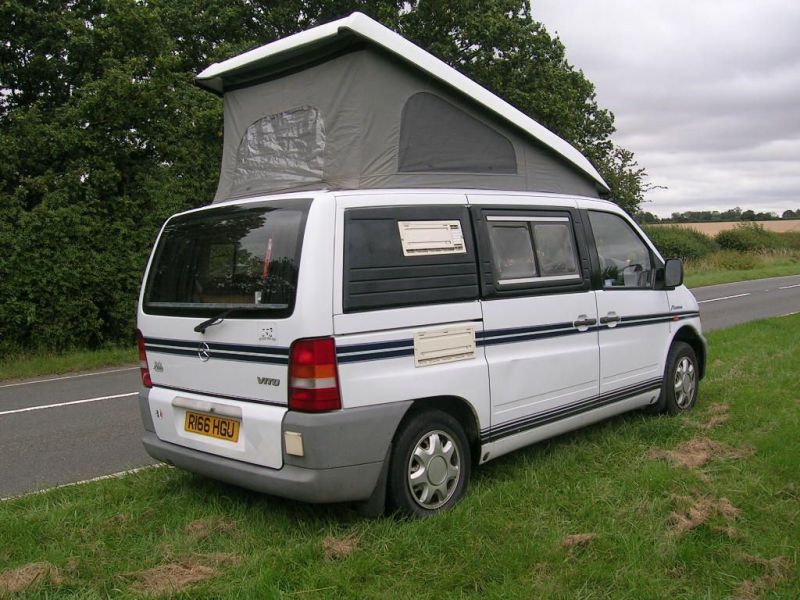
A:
(512, 251)
(625, 260)
(532, 249)
(554, 249)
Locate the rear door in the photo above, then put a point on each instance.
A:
(223, 300)
(539, 314)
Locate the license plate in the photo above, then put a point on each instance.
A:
(212, 426)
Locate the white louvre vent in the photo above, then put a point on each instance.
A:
(444, 345)
(431, 237)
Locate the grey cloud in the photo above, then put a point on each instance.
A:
(706, 93)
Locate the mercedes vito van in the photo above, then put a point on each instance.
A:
(377, 345)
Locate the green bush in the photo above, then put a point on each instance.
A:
(747, 237)
(679, 242)
(731, 260)
(791, 239)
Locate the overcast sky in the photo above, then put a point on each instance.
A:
(706, 93)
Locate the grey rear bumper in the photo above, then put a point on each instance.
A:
(344, 457)
(337, 484)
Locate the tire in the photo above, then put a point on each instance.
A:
(681, 380)
(430, 465)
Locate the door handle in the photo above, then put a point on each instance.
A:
(583, 321)
(611, 319)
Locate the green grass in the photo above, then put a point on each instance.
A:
(502, 541)
(728, 266)
(33, 364)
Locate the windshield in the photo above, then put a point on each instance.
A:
(245, 259)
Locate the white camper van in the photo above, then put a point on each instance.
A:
(401, 277)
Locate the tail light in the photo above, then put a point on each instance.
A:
(313, 378)
(144, 370)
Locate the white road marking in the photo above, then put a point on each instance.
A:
(768, 279)
(68, 377)
(74, 483)
(723, 298)
(788, 287)
(42, 407)
(791, 313)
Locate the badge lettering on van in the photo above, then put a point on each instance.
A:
(268, 381)
(267, 333)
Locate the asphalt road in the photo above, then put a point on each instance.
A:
(69, 429)
(73, 428)
(733, 303)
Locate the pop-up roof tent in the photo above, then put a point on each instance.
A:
(353, 105)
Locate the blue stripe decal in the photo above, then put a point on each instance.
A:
(345, 358)
(521, 330)
(374, 346)
(534, 336)
(506, 429)
(219, 346)
(217, 351)
(399, 348)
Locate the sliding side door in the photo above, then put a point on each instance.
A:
(540, 318)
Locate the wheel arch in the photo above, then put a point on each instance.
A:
(458, 408)
(691, 336)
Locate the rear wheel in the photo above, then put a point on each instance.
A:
(681, 379)
(430, 464)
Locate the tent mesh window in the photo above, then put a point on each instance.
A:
(437, 136)
(280, 151)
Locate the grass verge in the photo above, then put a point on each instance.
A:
(34, 364)
(706, 506)
(729, 266)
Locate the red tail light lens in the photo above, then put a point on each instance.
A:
(313, 377)
(144, 370)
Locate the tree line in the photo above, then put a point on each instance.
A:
(711, 216)
(104, 134)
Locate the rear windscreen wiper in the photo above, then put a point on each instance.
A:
(213, 321)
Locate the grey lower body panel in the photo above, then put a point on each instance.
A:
(337, 484)
(344, 455)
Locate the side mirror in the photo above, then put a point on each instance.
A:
(673, 273)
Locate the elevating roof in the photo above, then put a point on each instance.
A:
(303, 51)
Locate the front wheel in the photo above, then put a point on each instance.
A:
(681, 379)
(430, 465)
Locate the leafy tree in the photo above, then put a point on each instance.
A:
(647, 218)
(104, 134)
(789, 214)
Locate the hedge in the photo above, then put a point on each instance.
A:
(747, 237)
(679, 242)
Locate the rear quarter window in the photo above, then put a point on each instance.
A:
(385, 268)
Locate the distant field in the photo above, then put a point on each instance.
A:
(715, 228)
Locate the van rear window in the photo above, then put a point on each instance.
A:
(240, 259)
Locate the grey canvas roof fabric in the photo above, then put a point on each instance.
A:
(363, 119)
